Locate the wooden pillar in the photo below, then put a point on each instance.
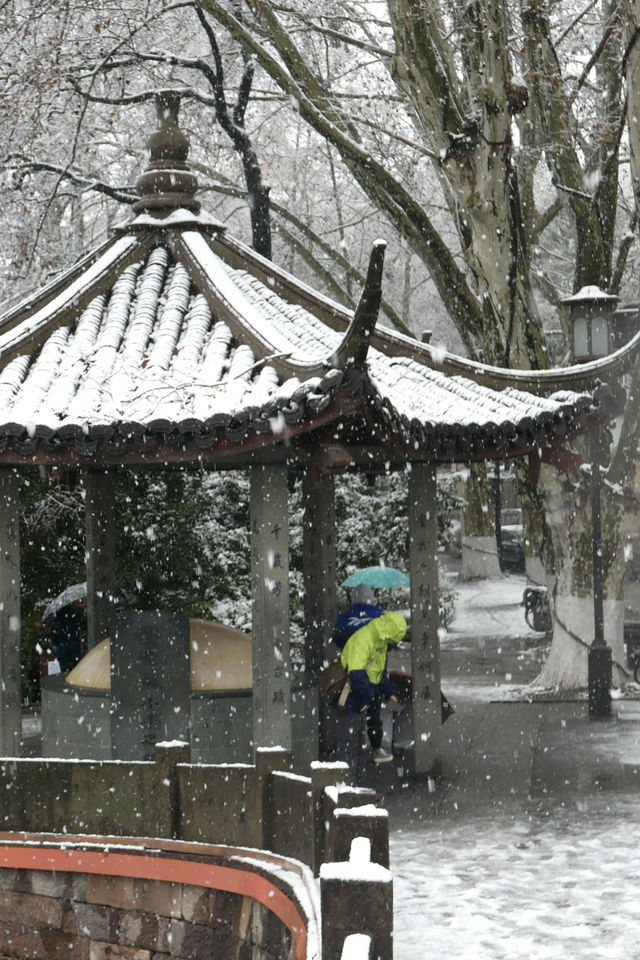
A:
(425, 644)
(10, 633)
(271, 616)
(100, 556)
(318, 565)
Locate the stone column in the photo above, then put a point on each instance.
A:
(271, 617)
(101, 535)
(319, 565)
(319, 575)
(425, 620)
(10, 633)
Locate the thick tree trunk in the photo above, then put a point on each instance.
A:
(479, 547)
(457, 67)
(568, 511)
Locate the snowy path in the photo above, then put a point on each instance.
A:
(493, 868)
(536, 889)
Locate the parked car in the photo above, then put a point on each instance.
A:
(512, 541)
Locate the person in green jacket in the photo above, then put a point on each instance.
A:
(364, 657)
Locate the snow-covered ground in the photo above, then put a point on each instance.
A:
(482, 890)
(488, 608)
(540, 882)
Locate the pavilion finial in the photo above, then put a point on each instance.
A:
(168, 182)
(356, 341)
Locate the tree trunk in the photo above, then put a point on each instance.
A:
(479, 547)
(568, 510)
(538, 542)
(457, 67)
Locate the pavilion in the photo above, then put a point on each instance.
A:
(175, 345)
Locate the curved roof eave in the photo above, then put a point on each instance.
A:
(388, 389)
(346, 404)
(578, 377)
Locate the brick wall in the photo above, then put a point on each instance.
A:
(47, 914)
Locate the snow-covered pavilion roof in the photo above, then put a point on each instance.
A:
(174, 341)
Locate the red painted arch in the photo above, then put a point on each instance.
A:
(143, 866)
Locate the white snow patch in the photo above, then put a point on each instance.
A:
(354, 870)
(357, 946)
(366, 810)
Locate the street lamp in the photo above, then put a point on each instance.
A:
(599, 657)
(591, 313)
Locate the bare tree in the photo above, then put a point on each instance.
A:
(142, 48)
(494, 136)
(526, 111)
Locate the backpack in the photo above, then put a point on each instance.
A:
(358, 615)
(334, 684)
(331, 681)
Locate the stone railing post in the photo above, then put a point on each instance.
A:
(167, 755)
(335, 796)
(357, 946)
(356, 897)
(367, 821)
(323, 775)
(268, 760)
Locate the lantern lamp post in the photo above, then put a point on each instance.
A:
(591, 319)
(591, 313)
(599, 657)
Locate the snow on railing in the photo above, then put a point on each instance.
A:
(356, 898)
(357, 946)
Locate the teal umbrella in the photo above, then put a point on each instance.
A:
(377, 577)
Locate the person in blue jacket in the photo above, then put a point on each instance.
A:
(70, 634)
(363, 609)
(364, 657)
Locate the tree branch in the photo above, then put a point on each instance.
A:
(228, 188)
(234, 128)
(378, 184)
(25, 165)
(144, 96)
(555, 117)
(576, 20)
(339, 35)
(623, 253)
(546, 218)
(593, 59)
(231, 123)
